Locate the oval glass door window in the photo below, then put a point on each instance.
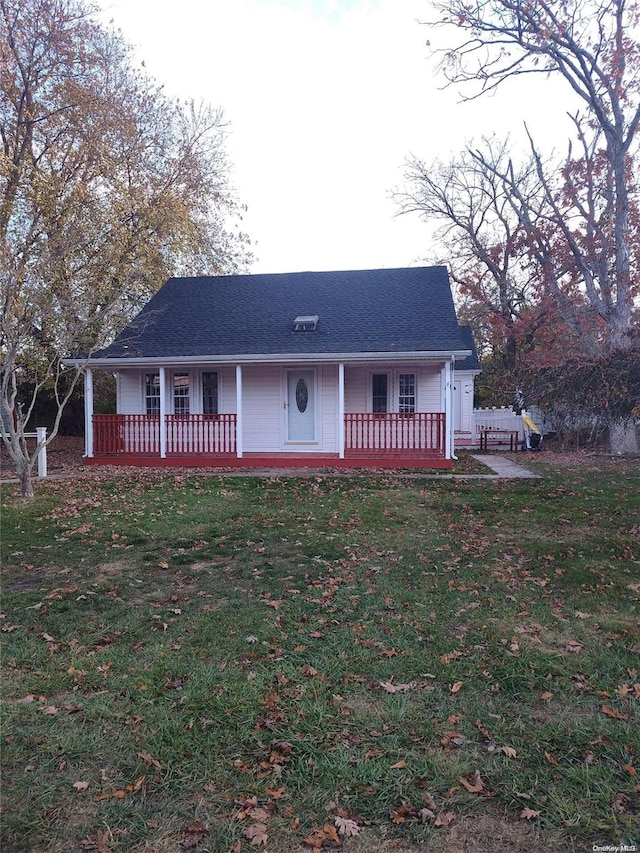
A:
(302, 395)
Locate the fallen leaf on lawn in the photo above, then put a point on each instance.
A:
(550, 758)
(574, 647)
(49, 710)
(348, 828)
(454, 688)
(403, 813)
(390, 687)
(631, 770)
(48, 638)
(113, 795)
(546, 695)
(426, 814)
(257, 834)
(529, 814)
(308, 670)
(509, 751)
(388, 653)
(621, 803)
(612, 712)
(474, 784)
(325, 837)
(483, 731)
(163, 564)
(145, 756)
(398, 765)
(194, 833)
(275, 793)
(445, 818)
(80, 786)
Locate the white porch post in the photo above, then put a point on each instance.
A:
(239, 411)
(41, 435)
(88, 413)
(448, 409)
(163, 413)
(341, 410)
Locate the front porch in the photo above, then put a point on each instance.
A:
(377, 440)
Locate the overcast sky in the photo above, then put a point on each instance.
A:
(325, 99)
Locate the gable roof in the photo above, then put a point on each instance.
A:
(471, 362)
(359, 311)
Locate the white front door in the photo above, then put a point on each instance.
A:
(301, 406)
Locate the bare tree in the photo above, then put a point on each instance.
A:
(580, 233)
(106, 188)
(482, 236)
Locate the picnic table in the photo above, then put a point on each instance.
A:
(499, 436)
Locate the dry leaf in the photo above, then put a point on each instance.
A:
(474, 784)
(546, 695)
(426, 815)
(529, 814)
(275, 793)
(49, 710)
(445, 818)
(574, 647)
(80, 786)
(145, 756)
(348, 828)
(509, 751)
(550, 758)
(611, 712)
(390, 687)
(398, 765)
(454, 688)
(257, 834)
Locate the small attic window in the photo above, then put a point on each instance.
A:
(305, 323)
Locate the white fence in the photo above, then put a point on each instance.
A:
(503, 418)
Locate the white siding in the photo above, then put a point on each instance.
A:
(357, 393)
(328, 381)
(466, 419)
(261, 408)
(130, 393)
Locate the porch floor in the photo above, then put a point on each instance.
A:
(276, 460)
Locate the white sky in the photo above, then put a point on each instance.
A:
(325, 100)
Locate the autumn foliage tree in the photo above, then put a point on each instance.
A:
(106, 188)
(578, 230)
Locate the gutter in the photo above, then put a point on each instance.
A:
(265, 358)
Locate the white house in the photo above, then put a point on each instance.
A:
(354, 368)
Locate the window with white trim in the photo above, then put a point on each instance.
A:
(379, 393)
(181, 393)
(152, 393)
(406, 393)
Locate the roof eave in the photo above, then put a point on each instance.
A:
(267, 358)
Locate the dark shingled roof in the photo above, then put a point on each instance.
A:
(471, 362)
(388, 310)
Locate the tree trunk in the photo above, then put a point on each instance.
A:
(623, 437)
(24, 471)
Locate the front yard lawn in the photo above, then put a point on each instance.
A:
(229, 664)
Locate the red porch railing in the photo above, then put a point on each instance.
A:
(114, 435)
(139, 435)
(415, 434)
(196, 434)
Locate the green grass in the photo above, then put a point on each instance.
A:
(207, 653)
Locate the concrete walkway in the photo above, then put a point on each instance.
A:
(504, 468)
